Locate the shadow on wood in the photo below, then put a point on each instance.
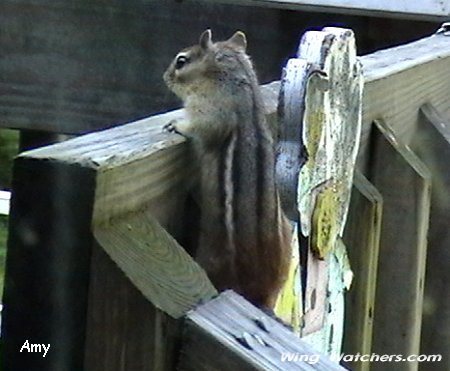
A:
(362, 238)
(431, 142)
(405, 184)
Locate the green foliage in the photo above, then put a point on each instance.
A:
(8, 149)
(3, 238)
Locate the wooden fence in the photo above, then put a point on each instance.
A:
(94, 270)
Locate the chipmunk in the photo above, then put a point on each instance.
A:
(245, 239)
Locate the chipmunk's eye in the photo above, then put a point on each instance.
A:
(181, 61)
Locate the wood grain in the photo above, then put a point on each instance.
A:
(397, 82)
(362, 238)
(400, 80)
(291, 153)
(331, 126)
(405, 184)
(64, 191)
(84, 66)
(427, 9)
(431, 142)
(229, 333)
(124, 330)
(156, 265)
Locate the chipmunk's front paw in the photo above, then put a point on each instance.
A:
(176, 126)
(171, 127)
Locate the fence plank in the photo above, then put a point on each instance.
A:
(51, 219)
(122, 325)
(432, 144)
(229, 333)
(400, 80)
(132, 312)
(397, 81)
(153, 261)
(135, 164)
(362, 238)
(405, 184)
(426, 9)
(61, 193)
(47, 267)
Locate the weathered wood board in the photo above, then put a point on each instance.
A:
(316, 294)
(327, 100)
(291, 151)
(396, 82)
(229, 333)
(134, 164)
(400, 80)
(51, 220)
(289, 304)
(63, 196)
(132, 311)
(328, 338)
(431, 142)
(74, 67)
(154, 262)
(425, 9)
(124, 331)
(405, 184)
(362, 238)
(47, 264)
(331, 131)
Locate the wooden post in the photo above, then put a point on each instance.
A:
(48, 264)
(90, 269)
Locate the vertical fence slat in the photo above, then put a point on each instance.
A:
(362, 238)
(404, 182)
(431, 142)
(48, 263)
(118, 311)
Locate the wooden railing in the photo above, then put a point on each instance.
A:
(94, 269)
(426, 9)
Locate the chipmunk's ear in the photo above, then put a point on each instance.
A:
(205, 41)
(238, 40)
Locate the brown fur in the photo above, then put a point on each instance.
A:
(244, 236)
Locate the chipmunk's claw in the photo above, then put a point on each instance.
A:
(176, 126)
(170, 127)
